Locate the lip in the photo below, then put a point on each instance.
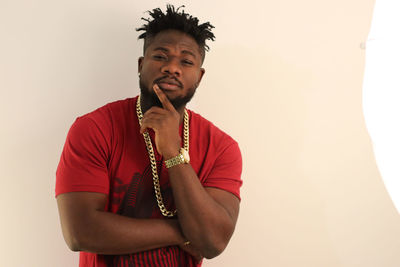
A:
(167, 83)
(168, 86)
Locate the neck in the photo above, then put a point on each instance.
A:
(181, 112)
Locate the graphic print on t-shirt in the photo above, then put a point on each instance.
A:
(139, 201)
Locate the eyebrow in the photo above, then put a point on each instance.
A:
(163, 49)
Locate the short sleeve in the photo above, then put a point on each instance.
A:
(83, 163)
(226, 171)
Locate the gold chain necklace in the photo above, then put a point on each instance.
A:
(149, 146)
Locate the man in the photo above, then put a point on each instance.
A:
(143, 181)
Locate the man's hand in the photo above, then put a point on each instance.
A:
(165, 124)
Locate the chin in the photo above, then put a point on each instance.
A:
(152, 99)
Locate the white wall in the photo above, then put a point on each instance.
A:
(381, 93)
(284, 78)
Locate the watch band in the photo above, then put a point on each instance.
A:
(183, 157)
(174, 161)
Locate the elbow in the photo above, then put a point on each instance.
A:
(215, 241)
(74, 242)
(79, 237)
(215, 244)
(75, 237)
(214, 250)
(74, 247)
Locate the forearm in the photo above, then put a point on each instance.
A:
(203, 220)
(115, 234)
(103, 232)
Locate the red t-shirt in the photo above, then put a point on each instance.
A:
(105, 153)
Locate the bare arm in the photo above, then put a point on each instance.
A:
(207, 215)
(87, 227)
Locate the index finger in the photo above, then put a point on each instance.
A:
(163, 98)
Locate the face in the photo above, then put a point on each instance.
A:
(173, 61)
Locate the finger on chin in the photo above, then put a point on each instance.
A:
(160, 94)
(163, 98)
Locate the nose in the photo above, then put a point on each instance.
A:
(172, 67)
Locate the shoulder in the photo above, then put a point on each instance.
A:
(203, 125)
(113, 109)
(110, 115)
(209, 134)
(107, 120)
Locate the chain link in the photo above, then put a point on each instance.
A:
(150, 150)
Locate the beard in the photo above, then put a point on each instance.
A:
(150, 98)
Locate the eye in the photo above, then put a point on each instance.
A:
(159, 57)
(187, 62)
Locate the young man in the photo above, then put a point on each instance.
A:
(143, 181)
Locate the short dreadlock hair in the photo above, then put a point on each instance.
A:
(176, 19)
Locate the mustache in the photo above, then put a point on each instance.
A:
(158, 80)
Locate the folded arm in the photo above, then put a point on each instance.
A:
(207, 215)
(87, 227)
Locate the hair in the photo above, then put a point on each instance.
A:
(176, 19)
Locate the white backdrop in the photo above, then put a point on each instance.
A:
(284, 78)
(381, 93)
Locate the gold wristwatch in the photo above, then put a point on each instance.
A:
(183, 157)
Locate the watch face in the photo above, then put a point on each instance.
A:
(185, 155)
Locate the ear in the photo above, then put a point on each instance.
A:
(140, 64)
(202, 71)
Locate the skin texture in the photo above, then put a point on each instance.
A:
(206, 216)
